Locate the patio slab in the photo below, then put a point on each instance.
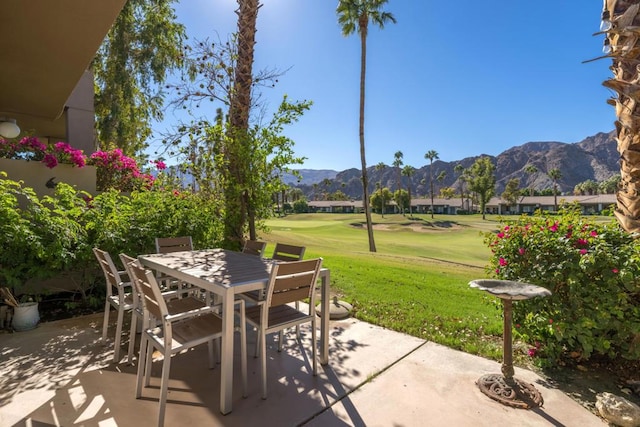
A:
(61, 374)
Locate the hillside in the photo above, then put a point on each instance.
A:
(595, 158)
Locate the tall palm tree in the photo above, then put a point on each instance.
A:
(555, 176)
(238, 204)
(355, 15)
(459, 169)
(409, 171)
(620, 23)
(397, 163)
(531, 169)
(380, 167)
(431, 155)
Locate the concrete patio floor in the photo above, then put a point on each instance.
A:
(60, 374)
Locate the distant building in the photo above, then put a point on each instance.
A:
(594, 204)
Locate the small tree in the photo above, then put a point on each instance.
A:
(482, 181)
(555, 176)
(511, 192)
(409, 171)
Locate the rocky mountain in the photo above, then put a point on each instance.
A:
(595, 158)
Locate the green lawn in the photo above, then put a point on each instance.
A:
(416, 282)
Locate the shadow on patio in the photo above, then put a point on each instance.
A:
(60, 374)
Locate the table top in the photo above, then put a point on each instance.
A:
(213, 267)
(509, 289)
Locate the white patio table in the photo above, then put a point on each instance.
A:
(227, 273)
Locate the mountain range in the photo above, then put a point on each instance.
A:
(595, 158)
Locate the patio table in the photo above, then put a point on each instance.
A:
(228, 273)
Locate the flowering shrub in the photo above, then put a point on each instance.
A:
(593, 272)
(31, 148)
(115, 170)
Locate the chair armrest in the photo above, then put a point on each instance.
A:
(188, 314)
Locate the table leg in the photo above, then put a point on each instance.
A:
(226, 364)
(324, 321)
(507, 348)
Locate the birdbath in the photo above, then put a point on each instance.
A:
(505, 388)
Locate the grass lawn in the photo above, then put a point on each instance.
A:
(416, 282)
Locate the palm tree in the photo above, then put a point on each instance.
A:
(238, 203)
(620, 20)
(397, 162)
(380, 168)
(409, 171)
(531, 169)
(555, 175)
(355, 15)
(459, 169)
(431, 155)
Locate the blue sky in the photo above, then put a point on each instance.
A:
(475, 79)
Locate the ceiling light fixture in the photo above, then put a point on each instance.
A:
(8, 128)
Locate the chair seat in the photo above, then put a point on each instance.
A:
(114, 300)
(190, 332)
(278, 316)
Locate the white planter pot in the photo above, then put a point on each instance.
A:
(25, 316)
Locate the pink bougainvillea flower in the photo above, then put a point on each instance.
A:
(502, 262)
(554, 227)
(569, 234)
(50, 161)
(507, 228)
(500, 235)
(583, 251)
(582, 242)
(550, 321)
(521, 251)
(594, 233)
(532, 352)
(615, 270)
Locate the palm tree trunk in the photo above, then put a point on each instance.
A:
(624, 41)
(238, 202)
(365, 181)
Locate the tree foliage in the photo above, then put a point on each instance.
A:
(511, 192)
(481, 179)
(140, 50)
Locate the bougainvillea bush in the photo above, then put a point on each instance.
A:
(593, 272)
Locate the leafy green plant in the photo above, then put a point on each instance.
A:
(593, 272)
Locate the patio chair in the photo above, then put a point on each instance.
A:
(289, 282)
(119, 296)
(284, 252)
(254, 247)
(175, 304)
(177, 332)
(165, 245)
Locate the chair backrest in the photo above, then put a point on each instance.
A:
(293, 281)
(145, 283)
(165, 245)
(283, 252)
(254, 247)
(111, 274)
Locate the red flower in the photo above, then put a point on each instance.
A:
(502, 262)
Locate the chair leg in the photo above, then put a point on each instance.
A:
(314, 344)
(243, 351)
(258, 337)
(148, 363)
(280, 339)
(263, 362)
(132, 336)
(116, 352)
(105, 322)
(164, 387)
(144, 348)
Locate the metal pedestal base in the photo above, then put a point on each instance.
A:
(512, 392)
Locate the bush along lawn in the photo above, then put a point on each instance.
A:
(593, 272)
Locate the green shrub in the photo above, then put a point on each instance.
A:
(53, 235)
(593, 272)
